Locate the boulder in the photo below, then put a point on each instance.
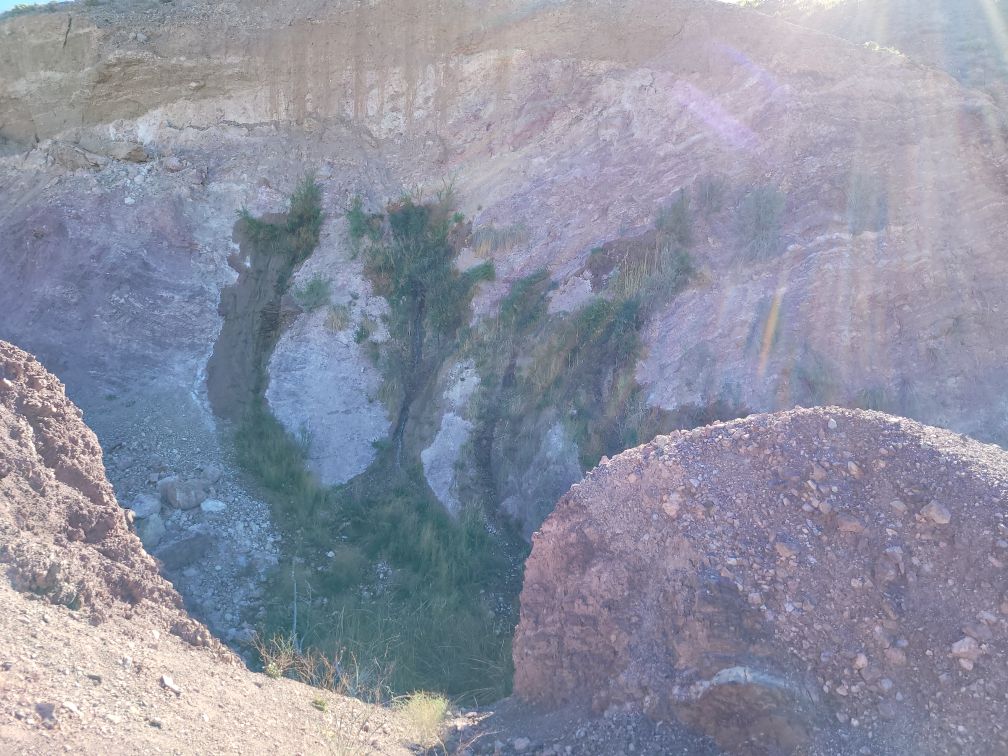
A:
(187, 494)
(145, 505)
(151, 530)
(701, 577)
(189, 550)
(129, 151)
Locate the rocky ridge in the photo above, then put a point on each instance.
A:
(826, 580)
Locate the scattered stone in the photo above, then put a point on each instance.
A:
(169, 684)
(151, 531)
(937, 514)
(145, 505)
(213, 506)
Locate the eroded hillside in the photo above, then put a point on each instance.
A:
(664, 213)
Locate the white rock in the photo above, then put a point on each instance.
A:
(168, 683)
(145, 505)
(213, 506)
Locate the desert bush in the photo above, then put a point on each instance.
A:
(411, 262)
(298, 234)
(674, 221)
(338, 318)
(314, 293)
(758, 222)
(340, 673)
(709, 194)
(490, 239)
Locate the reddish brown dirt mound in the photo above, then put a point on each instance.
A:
(62, 533)
(823, 580)
(85, 663)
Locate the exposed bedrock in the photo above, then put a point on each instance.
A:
(824, 579)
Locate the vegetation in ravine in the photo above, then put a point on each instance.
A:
(376, 570)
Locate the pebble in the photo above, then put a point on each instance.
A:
(169, 684)
(849, 524)
(937, 514)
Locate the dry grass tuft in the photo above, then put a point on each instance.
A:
(424, 715)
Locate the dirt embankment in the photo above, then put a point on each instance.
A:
(98, 655)
(64, 536)
(824, 579)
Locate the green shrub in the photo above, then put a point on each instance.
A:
(867, 204)
(298, 235)
(412, 264)
(709, 194)
(675, 222)
(314, 293)
(758, 222)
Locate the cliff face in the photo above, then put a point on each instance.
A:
(568, 124)
(815, 579)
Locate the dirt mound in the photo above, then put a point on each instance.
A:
(823, 579)
(64, 536)
(86, 662)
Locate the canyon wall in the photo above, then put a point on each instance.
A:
(571, 123)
